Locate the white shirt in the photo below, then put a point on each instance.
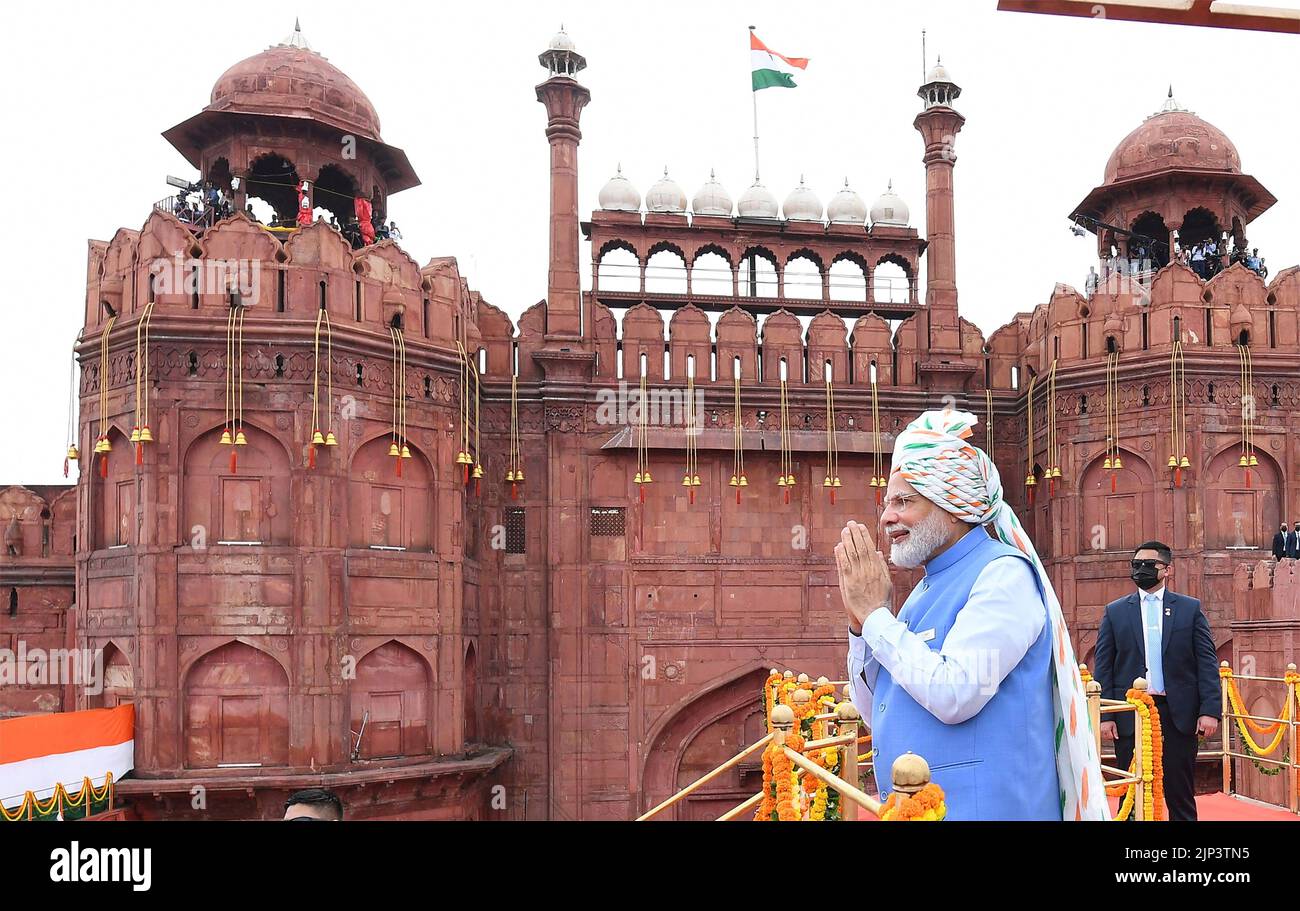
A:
(1001, 620)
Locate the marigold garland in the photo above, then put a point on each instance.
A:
(1277, 729)
(1153, 769)
(926, 805)
(61, 800)
(789, 793)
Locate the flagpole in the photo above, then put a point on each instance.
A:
(754, 92)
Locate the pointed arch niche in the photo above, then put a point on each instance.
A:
(1120, 519)
(386, 511)
(236, 709)
(250, 505)
(391, 695)
(700, 736)
(1237, 516)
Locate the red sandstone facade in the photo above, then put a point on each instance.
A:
(584, 648)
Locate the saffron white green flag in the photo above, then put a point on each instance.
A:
(770, 68)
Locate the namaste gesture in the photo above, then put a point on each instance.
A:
(864, 575)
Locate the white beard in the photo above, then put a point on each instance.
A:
(924, 538)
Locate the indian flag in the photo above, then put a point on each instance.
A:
(39, 752)
(770, 68)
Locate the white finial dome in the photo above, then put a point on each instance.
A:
(938, 73)
(1170, 104)
(712, 199)
(889, 209)
(758, 202)
(561, 41)
(802, 204)
(296, 39)
(846, 207)
(618, 195)
(665, 196)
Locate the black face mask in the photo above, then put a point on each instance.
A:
(1144, 574)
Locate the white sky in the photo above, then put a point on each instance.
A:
(1046, 99)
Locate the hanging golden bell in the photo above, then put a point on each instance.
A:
(744, 482)
(135, 435)
(874, 482)
(519, 475)
(317, 439)
(789, 480)
(1243, 461)
(1184, 462)
(1118, 464)
(1173, 461)
(462, 458)
(99, 444)
(510, 474)
(73, 453)
(393, 450)
(1056, 471)
(780, 481)
(226, 438)
(330, 439)
(146, 435)
(646, 479)
(240, 439)
(108, 444)
(476, 473)
(827, 482)
(1030, 480)
(734, 482)
(686, 481)
(1253, 461)
(1106, 463)
(636, 478)
(695, 481)
(406, 454)
(835, 482)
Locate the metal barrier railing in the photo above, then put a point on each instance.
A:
(824, 762)
(1140, 787)
(1285, 727)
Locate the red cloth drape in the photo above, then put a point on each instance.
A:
(304, 208)
(363, 218)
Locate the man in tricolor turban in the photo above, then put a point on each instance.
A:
(976, 673)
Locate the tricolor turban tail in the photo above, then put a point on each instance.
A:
(933, 456)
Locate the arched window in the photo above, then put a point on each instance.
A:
(665, 272)
(803, 278)
(848, 281)
(890, 282)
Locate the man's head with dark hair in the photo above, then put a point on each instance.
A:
(314, 804)
(1162, 552)
(1152, 565)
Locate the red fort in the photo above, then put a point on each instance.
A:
(422, 571)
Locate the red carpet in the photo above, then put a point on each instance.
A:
(1220, 807)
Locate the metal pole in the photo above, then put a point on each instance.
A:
(1224, 725)
(754, 92)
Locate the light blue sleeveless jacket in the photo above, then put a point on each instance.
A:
(1000, 764)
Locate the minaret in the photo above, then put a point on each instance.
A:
(564, 98)
(939, 124)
